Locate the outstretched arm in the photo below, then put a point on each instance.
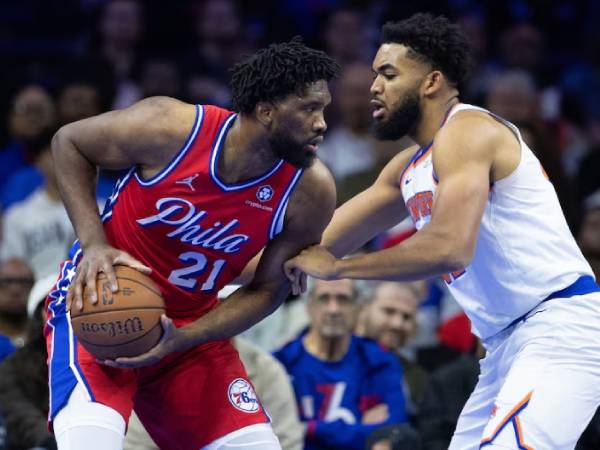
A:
(463, 162)
(147, 135)
(309, 211)
(361, 218)
(369, 213)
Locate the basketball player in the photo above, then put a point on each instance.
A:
(206, 189)
(490, 223)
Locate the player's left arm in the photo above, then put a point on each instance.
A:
(309, 211)
(463, 156)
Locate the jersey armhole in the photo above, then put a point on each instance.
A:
(278, 218)
(179, 155)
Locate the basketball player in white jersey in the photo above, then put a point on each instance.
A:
(490, 223)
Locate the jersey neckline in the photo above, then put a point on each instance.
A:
(214, 158)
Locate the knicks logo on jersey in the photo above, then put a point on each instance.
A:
(419, 206)
(189, 226)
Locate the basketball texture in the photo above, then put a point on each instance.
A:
(122, 323)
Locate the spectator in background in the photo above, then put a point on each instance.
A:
(449, 389)
(394, 437)
(350, 151)
(23, 382)
(345, 36)
(589, 234)
(160, 76)
(390, 318)
(32, 114)
(220, 42)
(513, 96)
(37, 230)
(121, 30)
(16, 281)
(522, 47)
(346, 386)
(78, 100)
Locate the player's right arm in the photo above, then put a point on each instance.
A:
(371, 212)
(147, 135)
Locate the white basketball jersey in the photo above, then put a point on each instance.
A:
(524, 251)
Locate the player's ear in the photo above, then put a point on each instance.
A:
(264, 113)
(432, 82)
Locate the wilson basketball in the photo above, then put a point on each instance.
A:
(122, 323)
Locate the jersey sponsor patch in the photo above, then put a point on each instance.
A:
(264, 193)
(242, 396)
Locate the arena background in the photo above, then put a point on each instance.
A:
(537, 65)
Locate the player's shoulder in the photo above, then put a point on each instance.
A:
(471, 127)
(315, 190)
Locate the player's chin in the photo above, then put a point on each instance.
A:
(305, 160)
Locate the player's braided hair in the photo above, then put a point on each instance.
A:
(274, 72)
(435, 41)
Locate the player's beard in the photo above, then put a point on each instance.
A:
(290, 150)
(402, 121)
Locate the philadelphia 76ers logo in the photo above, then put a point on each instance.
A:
(242, 396)
(264, 193)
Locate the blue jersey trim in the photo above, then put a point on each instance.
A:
(214, 158)
(64, 369)
(112, 200)
(416, 156)
(277, 220)
(182, 152)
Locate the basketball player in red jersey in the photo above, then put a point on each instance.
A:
(206, 190)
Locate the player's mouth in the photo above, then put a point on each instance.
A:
(313, 145)
(379, 109)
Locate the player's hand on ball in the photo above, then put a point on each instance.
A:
(99, 259)
(172, 340)
(315, 261)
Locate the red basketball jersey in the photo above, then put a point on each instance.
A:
(194, 230)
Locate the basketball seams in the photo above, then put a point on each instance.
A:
(86, 342)
(150, 288)
(137, 308)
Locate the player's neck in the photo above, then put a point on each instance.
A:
(326, 349)
(245, 153)
(433, 116)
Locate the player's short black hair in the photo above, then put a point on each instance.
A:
(278, 70)
(435, 41)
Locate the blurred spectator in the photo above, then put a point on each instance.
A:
(160, 76)
(345, 36)
(588, 178)
(522, 47)
(78, 100)
(394, 437)
(450, 387)
(221, 39)
(513, 96)
(220, 42)
(350, 148)
(121, 29)
(33, 113)
(390, 318)
(474, 26)
(16, 281)
(273, 389)
(37, 230)
(24, 382)
(589, 234)
(346, 386)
